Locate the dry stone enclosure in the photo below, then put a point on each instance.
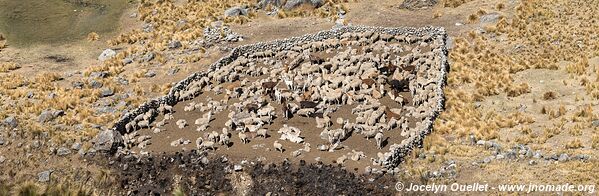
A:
(358, 96)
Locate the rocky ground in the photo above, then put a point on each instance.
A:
(521, 95)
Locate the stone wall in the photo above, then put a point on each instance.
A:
(398, 151)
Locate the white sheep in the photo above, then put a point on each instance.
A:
(379, 140)
(181, 123)
(278, 146)
(243, 137)
(262, 133)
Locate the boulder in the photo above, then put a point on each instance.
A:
(107, 54)
(11, 122)
(236, 11)
(107, 141)
(44, 176)
(264, 3)
(291, 4)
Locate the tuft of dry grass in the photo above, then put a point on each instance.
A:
(549, 95)
(574, 144)
(8, 66)
(93, 36)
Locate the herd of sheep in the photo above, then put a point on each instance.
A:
(391, 82)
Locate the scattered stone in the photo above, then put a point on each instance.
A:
(291, 4)
(489, 18)
(563, 157)
(127, 61)
(95, 84)
(150, 74)
(532, 162)
(122, 81)
(174, 44)
(417, 4)
(11, 122)
(1, 141)
(236, 11)
(237, 168)
(264, 3)
(76, 146)
(77, 84)
(595, 123)
(44, 176)
(101, 74)
(62, 151)
(107, 141)
(480, 142)
(172, 71)
(107, 54)
(106, 92)
(148, 57)
(205, 161)
(49, 115)
(499, 156)
(487, 160)
(2, 159)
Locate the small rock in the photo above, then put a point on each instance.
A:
(76, 146)
(77, 84)
(236, 11)
(44, 176)
(174, 44)
(2, 159)
(62, 151)
(107, 54)
(1, 141)
(172, 71)
(487, 160)
(95, 84)
(489, 18)
(148, 57)
(532, 162)
(237, 168)
(11, 122)
(480, 142)
(108, 141)
(499, 156)
(595, 123)
(48, 115)
(100, 74)
(150, 74)
(106, 92)
(205, 161)
(127, 61)
(563, 157)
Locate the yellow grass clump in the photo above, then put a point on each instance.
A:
(8, 66)
(93, 36)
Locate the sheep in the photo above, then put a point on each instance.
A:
(206, 118)
(262, 133)
(307, 147)
(356, 156)
(306, 112)
(324, 122)
(224, 140)
(243, 137)
(143, 123)
(278, 146)
(341, 160)
(379, 140)
(181, 123)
